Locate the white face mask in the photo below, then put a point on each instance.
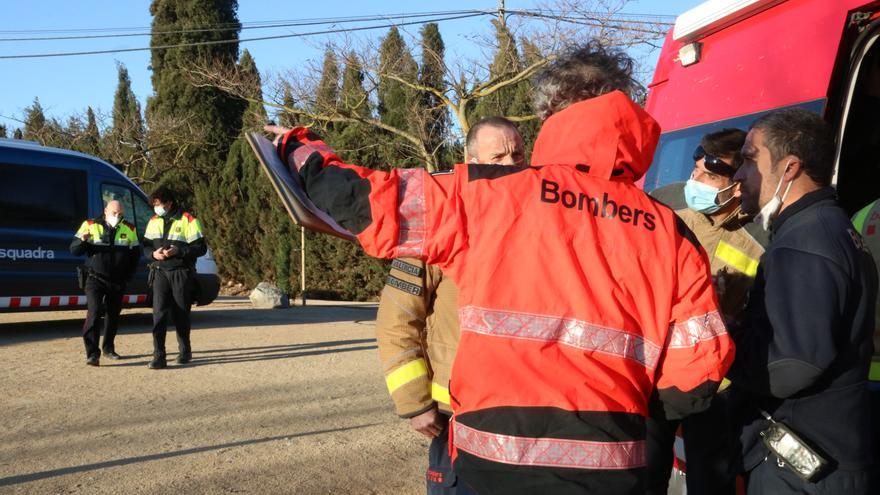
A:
(112, 221)
(769, 211)
(159, 210)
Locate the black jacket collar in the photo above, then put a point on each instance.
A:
(802, 204)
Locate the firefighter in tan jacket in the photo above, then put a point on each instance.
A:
(709, 205)
(417, 325)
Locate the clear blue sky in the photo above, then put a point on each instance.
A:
(67, 85)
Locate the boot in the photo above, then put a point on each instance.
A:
(184, 357)
(158, 363)
(111, 353)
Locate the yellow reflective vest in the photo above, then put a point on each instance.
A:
(179, 229)
(867, 223)
(112, 253)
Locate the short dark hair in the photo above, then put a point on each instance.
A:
(584, 72)
(799, 132)
(726, 142)
(497, 122)
(164, 194)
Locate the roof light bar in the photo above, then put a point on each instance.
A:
(715, 15)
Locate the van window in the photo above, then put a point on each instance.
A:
(136, 210)
(143, 213)
(111, 192)
(42, 197)
(673, 160)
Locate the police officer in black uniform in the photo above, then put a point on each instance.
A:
(173, 240)
(113, 251)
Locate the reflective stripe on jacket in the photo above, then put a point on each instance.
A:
(417, 331)
(580, 296)
(112, 252)
(177, 228)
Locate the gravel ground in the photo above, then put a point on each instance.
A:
(275, 401)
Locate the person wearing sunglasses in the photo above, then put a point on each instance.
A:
(709, 204)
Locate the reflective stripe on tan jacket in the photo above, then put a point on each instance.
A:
(734, 255)
(417, 331)
(734, 246)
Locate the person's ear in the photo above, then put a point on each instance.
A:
(792, 167)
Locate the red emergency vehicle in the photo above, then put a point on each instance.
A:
(727, 62)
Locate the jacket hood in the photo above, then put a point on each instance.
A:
(610, 134)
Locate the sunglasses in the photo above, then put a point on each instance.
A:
(716, 165)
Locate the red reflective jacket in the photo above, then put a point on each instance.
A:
(580, 296)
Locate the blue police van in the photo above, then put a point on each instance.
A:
(45, 194)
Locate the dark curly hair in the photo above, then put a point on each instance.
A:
(164, 194)
(584, 72)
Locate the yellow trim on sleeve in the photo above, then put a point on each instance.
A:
(874, 371)
(440, 393)
(405, 374)
(736, 258)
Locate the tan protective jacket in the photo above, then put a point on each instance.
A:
(734, 255)
(734, 246)
(417, 330)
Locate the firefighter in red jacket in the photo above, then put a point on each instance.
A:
(583, 302)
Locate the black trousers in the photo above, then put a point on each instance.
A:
(440, 476)
(98, 296)
(172, 298)
(708, 448)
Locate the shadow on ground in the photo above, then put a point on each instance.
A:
(240, 315)
(40, 475)
(251, 354)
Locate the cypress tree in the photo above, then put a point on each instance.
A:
(3, 131)
(216, 115)
(287, 119)
(327, 93)
(432, 74)
(513, 100)
(17, 134)
(128, 124)
(91, 139)
(396, 100)
(34, 122)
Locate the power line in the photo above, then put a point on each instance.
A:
(222, 42)
(593, 22)
(260, 25)
(629, 18)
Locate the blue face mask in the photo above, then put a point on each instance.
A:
(703, 198)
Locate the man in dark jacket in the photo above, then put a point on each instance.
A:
(805, 346)
(113, 251)
(173, 240)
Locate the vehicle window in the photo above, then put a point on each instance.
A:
(110, 192)
(142, 212)
(137, 211)
(44, 197)
(673, 160)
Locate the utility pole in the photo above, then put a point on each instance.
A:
(302, 263)
(501, 18)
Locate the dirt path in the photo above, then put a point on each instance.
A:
(283, 401)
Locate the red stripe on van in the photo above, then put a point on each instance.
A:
(35, 301)
(54, 301)
(14, 302)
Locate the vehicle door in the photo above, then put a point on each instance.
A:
(42, 208)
